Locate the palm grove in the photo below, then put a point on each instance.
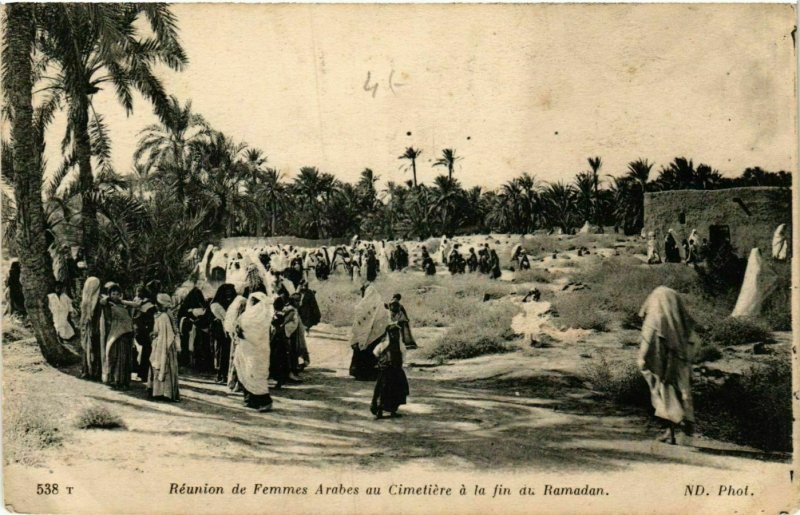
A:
(191, 184)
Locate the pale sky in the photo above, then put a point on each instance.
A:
(512, 88)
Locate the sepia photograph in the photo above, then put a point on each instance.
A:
(403, 258)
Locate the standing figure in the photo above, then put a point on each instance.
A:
(372, 265)
(428, 266)
(308, 308)
(117, 338)
(279, 359)
(143, 323)
(14, 298)
(230, 326)
(193, 328)
(780, 244)
(391, 387)
(399, 316)
(220, 340)
(91, 334)
(671, 252)
(162, 381)
(494, 261)
(472, 260)
(665, 359)
(252, 358)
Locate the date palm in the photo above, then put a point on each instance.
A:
(412, 154)
(90, 46)
(595, 163)
(163, 147)
(19, 36)
(448, 160)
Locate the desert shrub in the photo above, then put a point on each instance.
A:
(579, 310)
(98, 417)
(533, 275)
(777, 309)
(485, 331)
(28, 429)
(621, 381)
(751, 409)
(736, 331)
(706, 351)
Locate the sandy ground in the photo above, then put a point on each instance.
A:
(521, 418)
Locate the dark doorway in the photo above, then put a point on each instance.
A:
(717, 235)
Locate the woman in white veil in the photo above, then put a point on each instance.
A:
(253, 352)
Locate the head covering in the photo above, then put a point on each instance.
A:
(111, 285)
(91, 294)
(224, 295)
(164, 300)
(665, 315)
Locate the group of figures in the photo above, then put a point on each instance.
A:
(695, 249)
(486, 261)
(121, 337)
(248, 340)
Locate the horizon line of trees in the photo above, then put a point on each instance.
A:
(191, 184)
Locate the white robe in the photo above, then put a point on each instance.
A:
(61, 308)
(759, 282)
(252, 352)
(780, 244)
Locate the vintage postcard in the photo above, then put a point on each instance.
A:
(403, 258)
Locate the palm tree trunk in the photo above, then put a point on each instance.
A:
(414, 169)
(83, 149)
(37, 275)
(274, 208)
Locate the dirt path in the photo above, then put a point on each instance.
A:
(501, 411)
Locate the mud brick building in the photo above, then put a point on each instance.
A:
(747, 217)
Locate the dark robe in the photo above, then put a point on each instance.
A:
(429, 266)
(90, 336)
(671, 252)
(472, 262)
(372, 267)
(363, 364)
(15, 297)
(494, 260)
(279, 357)
(309, 309)
(119, 355)
(322, 270)
(200, 357)
(391, 387)
(143, 323)
(401, 319)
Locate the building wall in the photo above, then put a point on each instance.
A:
(752, 214)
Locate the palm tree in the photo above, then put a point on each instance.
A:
(412, 154)
(678, 175)
(559, 202)
(448, 159)
(367, 194)
(595, 163)
(639, 171)
(19, 35)
(447, 198)
(584, 189)
(314, 190)
(94, 44)
(274, 193)
(163, 148)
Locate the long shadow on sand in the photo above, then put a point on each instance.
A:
(326, 421)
